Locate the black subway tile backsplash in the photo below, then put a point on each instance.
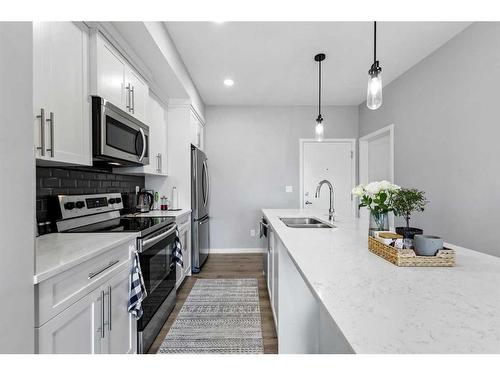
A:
(51, 181)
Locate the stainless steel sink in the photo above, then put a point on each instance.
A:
(304, 222)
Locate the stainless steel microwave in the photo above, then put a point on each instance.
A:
(118, 138)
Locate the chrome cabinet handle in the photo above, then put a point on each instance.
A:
(109, 308)
(50, 120)
(102, 314)
(161, 163)
(102, 269)
(127, 99)
(41, 116)
(132, 103)
(158, 168)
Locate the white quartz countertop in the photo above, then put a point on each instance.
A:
(168, 213)
(58, 252)
(382, 308)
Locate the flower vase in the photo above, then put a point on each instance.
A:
(379, 221)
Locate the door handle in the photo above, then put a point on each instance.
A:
(50, 120)
(102, 314)
(132, 103)
(203, 221)
(143, 144)
(127, 98)
(307, 203)
(41, 116)
(109, 308)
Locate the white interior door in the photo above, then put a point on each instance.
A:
(333, 161)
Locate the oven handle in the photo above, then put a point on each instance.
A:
(144, 145)
(152, 241)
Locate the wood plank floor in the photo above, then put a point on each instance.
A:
(227, 266)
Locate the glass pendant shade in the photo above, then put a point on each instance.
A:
(374, 91)
(319, 131)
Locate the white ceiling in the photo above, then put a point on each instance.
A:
(272, 63)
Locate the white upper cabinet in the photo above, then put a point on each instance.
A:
(113, 79)
(197, 131)
(60, 93)
(156, 119)
(110, 74)
(138, 94)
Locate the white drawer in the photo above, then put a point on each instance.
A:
(61, 291)
(183, 219)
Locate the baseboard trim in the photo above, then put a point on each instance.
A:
(240, 250)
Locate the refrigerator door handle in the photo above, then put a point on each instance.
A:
(205, 186)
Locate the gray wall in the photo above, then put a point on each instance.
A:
(17, 171)
(446, 114)
(253, 153)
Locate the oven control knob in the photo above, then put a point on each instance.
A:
(111, 200)
(69, 205)
(118, 200)
(80, 204)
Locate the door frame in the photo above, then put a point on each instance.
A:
(351, 141)
(363, 158)
(363, 152)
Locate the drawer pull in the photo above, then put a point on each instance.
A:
(104, 268)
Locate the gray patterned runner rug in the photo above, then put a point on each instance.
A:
(220, 316)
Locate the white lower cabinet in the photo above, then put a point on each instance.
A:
(88, 317)
(77, 330)
(120, 327)
(185, 237)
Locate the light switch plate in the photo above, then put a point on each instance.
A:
(252, 232)
(289, 189)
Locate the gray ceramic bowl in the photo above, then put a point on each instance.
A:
(427, 245)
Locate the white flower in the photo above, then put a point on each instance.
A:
(387, 186)
(359, 190)
(373, 188)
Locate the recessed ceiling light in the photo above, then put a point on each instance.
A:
(228, 82)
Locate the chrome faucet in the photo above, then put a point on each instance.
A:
(331, 210)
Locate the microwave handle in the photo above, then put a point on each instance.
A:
(144, 145)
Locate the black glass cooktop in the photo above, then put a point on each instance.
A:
(125, 224)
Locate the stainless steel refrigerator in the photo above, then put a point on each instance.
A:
(200, 193)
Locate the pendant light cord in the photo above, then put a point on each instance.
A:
(374, 41)
(319, 91)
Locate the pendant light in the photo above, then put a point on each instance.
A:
(374, 91)
(319, 128)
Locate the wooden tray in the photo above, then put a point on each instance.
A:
(408, 258)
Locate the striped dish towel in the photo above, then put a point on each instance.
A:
(177, 251)
(137, 291)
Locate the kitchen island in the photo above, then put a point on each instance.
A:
(334, 296)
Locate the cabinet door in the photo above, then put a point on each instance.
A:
(77, 330)
(186, 245)
(180, 271)
(41, 84)
(110, 74)
(121, 327)
(69, 94)
(139, 94)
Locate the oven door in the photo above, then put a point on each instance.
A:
(118, 136)
(155, 257)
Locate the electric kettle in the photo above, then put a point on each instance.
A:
(145, 201)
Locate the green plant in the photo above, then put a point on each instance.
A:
(407, 201)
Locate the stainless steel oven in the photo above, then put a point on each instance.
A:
(118, 138)
(158, 270)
